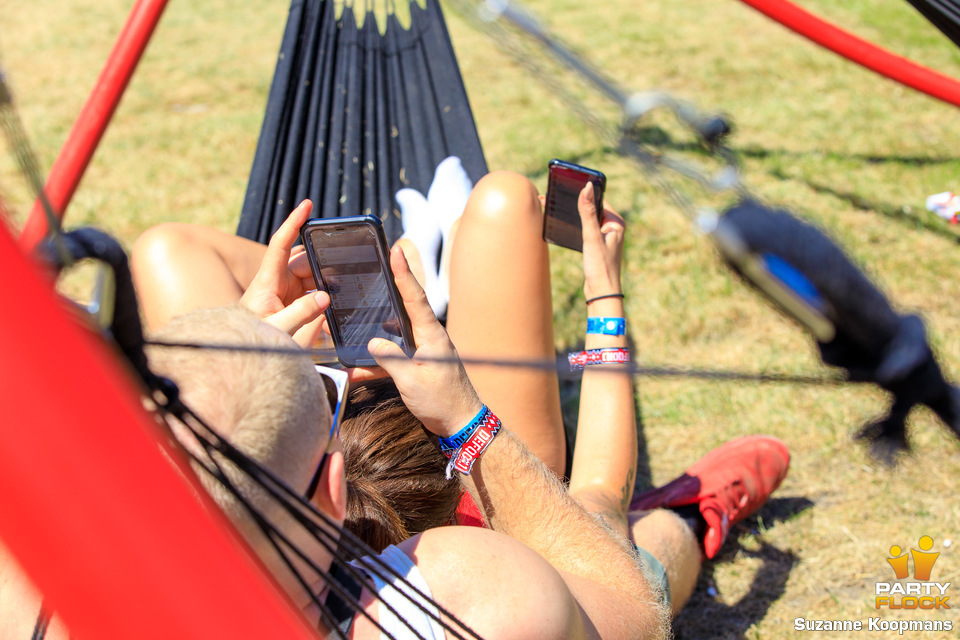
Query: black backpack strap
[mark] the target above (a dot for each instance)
(340, 610)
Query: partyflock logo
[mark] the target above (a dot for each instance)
(921, 593)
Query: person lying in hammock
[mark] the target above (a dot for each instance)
(546, 569)
(494, 251)
(663, 532)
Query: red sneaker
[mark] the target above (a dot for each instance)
(728, 484)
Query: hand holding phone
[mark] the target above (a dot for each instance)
(561, 217)
(433, 384)
(350, 261)
(281, 293)
(602, 248)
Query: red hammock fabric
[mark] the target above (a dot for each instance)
(93, 509)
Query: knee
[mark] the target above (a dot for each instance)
(504, 196)
(663, 525)
(158, 244)
(161, 250)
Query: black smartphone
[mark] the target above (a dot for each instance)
(351, 262)
(561, 218)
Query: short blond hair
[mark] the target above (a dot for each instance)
(270, 406)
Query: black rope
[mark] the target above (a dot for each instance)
(326, 532)
(213, 443)
(43, 621)
(562, 370)
(27, 160)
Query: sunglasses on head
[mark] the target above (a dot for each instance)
(335, 383)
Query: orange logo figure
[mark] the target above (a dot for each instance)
(922, 561)
(899, 564)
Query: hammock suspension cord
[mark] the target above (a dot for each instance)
(220, 457)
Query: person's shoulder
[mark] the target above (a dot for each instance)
(495, 584)
(20, 602)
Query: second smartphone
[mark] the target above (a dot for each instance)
(350, 261)
(561, 217)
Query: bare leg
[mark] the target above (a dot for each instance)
(501, 307)
(180, 267)
(500, 297)
(669, 539)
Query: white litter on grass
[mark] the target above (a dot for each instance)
(946, 205)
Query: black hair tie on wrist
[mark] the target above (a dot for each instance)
(609, 295)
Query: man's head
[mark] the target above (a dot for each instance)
(270, 406)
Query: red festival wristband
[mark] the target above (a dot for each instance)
(462, 458)
(609, 355)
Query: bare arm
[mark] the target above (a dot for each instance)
(605, 455)
(519, 495)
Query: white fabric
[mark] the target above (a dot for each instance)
(399, 596)
(427, 222)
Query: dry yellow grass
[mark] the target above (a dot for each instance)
(835, 143)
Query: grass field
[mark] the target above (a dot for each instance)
(836, 144)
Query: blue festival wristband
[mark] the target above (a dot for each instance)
(454, 442)
(483, 428)
(606, 326)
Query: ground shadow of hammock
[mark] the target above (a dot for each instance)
(917, 161)
(706, 617)
(898, 213)
(662, 140)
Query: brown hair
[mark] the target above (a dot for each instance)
(396, 476)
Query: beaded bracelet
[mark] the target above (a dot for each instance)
(464, 447)
(607, 355)
(606, 326)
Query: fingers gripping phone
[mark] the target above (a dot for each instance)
(350, 261)
(561, 217)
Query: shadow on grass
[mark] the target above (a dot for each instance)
(893, 212)
(662, 141)
(760, 153)
(705, 616)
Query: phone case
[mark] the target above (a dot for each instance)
(561, 218)
(365, 302)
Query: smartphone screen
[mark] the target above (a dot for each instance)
(561, 218)
(350, 261)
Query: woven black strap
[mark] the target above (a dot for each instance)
(340, 610)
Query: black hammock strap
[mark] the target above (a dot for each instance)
(944, 14)
(354, 115)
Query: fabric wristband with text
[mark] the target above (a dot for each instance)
(609, 355)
